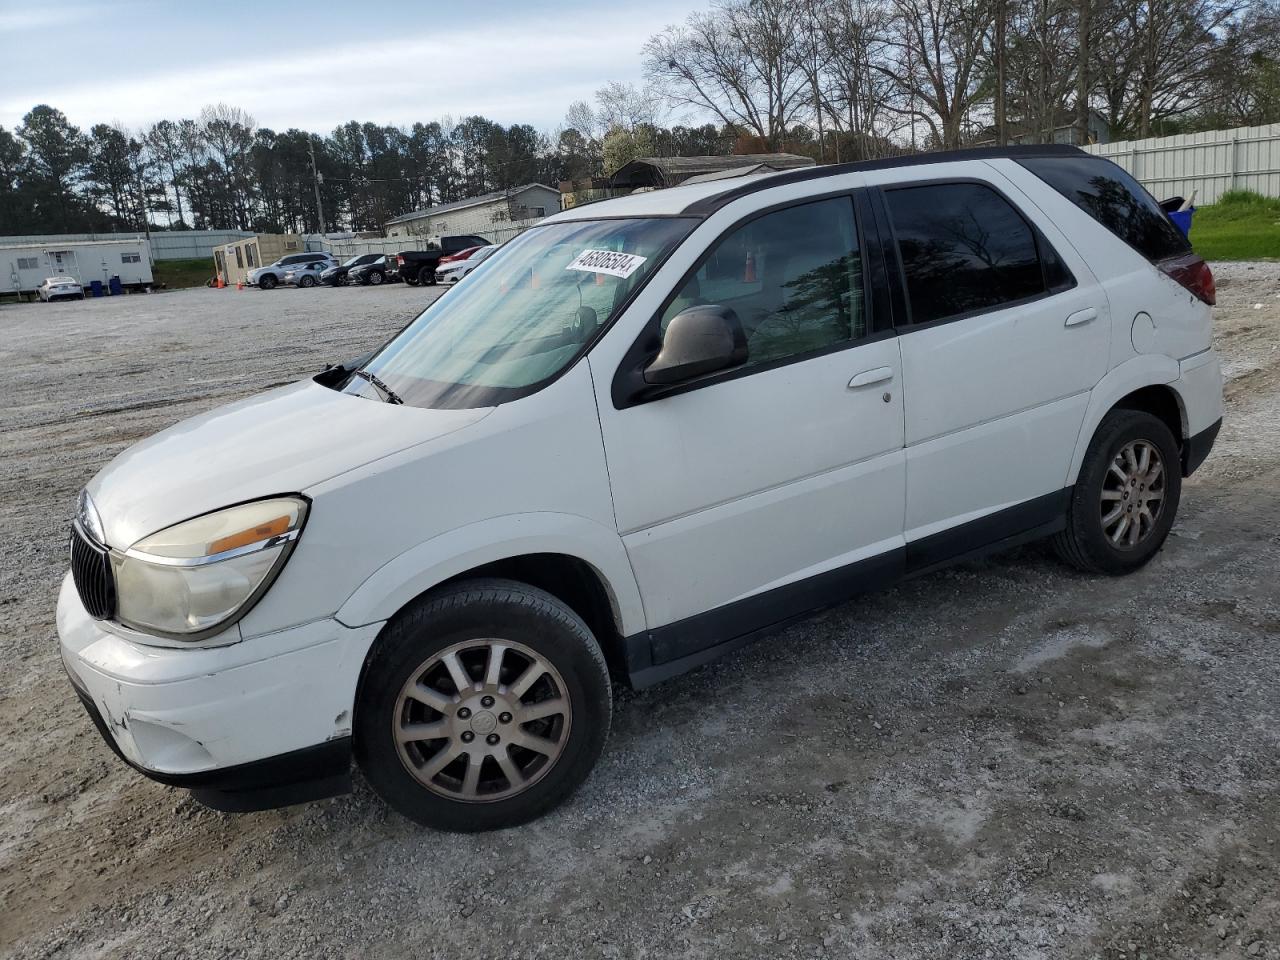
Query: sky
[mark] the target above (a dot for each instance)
(315, 65)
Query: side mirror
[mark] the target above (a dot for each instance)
(698, 340)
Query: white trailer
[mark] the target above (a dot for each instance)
(24, 266)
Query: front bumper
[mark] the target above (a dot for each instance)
(261, 723)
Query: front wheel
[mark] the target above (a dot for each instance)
(307, 282)
(268, 282)
(427, 276)
(483, 706)
(1126, 497)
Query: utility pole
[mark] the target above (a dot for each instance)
(311, 146)
(1002, 137)
(1082, 76)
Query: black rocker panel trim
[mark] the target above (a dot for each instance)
(671, 650)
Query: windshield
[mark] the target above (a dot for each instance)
(358, 258)
(526, 317)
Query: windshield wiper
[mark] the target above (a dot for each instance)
(391, 395)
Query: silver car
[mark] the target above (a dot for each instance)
(272, 275)
(60, 288)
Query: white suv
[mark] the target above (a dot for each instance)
(649, 431)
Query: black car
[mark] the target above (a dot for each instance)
(419, 266)
(337, 276)
(372, 273)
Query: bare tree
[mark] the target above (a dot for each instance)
(739, 61)
(1153, 58)
(938, 52)
(228, 132)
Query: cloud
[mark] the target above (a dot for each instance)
(511, 69)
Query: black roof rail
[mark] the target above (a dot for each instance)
(706, 206)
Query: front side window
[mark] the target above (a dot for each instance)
(964, 250)
(793, 277)
(526, 317)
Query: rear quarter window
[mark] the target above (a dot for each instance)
(1113, 198)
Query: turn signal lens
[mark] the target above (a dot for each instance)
(263, 531)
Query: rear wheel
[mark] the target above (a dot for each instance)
(426, 276)
(1126, 497)
(376, 278)
(484, 706)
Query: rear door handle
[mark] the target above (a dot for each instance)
(1081, 316)
(867, 377)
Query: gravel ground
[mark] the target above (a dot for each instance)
(1007, 759)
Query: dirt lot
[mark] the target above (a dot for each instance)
(1003, 760)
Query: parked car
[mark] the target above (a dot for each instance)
(272, 275)
(373, 273)
(60, 288)
(336, 276)
(451, 270)
(653, 430)
(419, 266)
(306, 274)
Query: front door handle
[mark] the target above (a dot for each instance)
(867, 377)
(1081, 316)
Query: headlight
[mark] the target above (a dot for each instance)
(196, 576)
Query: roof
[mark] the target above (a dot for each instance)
(64, 244)
(469, 202)
(704, 199)
(677, 169)
(753, 170)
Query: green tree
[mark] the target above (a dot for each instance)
(57, 155)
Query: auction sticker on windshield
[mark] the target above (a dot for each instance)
(607, 261)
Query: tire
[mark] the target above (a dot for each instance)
(427, 276)
(306, 281)
(464, 621)
(376, 278)
(1110, 480)
(267, 282)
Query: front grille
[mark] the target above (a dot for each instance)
(91, 571)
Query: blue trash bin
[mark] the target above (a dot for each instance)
(95, 287)
(116, 287)
(1182, 220)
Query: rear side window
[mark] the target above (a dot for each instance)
(1116, 200)
(964, 250)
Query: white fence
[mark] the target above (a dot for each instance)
(391, 246)
(1210, 163)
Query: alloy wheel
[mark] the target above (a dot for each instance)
(482, 720)
(1133, 494)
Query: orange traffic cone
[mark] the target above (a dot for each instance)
(239, 284)
(219, 284)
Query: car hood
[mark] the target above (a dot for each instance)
(282, 441)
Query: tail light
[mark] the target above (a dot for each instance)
(399, 260)
(1194, 274)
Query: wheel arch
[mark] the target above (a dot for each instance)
(1145, 383)
(578, 561)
